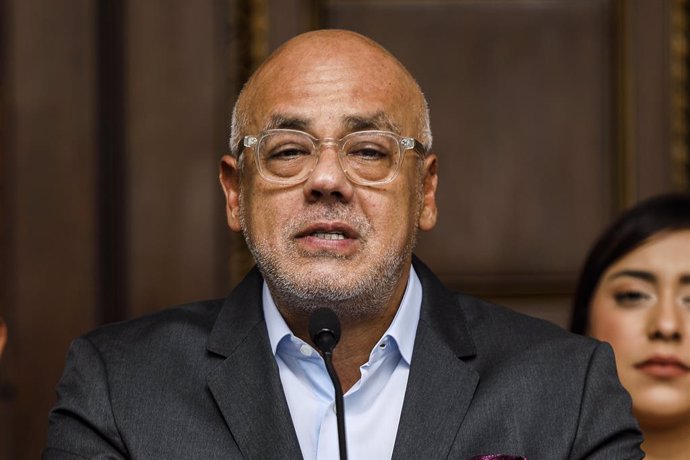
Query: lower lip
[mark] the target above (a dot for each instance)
(659, 370)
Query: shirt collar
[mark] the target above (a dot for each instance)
(402, 329)
(277, 327)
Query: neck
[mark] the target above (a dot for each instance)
(668, 443)
(359, 334)
(357, 340)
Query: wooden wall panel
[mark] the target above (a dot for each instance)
(5, 269)
(51, 224)
(287, 18)
(647, 80)
(177, 119)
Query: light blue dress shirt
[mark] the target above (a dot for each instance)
(372, 406)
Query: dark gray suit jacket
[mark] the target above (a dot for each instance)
(200, 382)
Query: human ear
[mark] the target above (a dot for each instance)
(230, 181)
(429, 212)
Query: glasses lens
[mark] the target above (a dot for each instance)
(286, 155)
(371, 156)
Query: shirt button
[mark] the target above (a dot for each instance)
(305, 350)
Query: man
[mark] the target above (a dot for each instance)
(330, 179)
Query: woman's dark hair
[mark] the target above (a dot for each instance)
(630, 230)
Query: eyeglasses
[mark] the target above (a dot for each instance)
(288, 156)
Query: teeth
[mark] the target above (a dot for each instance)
(329, 235)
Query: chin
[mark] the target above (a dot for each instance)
(659, 419)
(661, 410)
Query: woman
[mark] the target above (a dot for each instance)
(634, 292)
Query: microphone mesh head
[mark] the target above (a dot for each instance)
(324, 320)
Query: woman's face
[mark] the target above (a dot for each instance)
(642, 308)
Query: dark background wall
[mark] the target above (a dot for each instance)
(549, 117)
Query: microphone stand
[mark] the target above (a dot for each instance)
(324, 330)
(339, 409)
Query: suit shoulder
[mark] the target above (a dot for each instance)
(515, 329)
(193, 319)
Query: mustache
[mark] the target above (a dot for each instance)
(329, 212)
(317, 212)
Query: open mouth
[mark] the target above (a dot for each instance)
(329, 235)
(330, 231)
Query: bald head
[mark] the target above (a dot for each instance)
(334, 59)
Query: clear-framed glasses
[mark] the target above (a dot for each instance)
(288, 156)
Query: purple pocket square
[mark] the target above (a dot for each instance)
(497, 457)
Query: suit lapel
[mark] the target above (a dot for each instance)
(246, 385)
(247, 388)
(440, 384)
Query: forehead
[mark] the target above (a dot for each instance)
(332, 86)
(665, 253)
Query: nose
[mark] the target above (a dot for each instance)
(666, 323)
(328, 180)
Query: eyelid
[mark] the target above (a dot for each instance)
(628, 292)
(632, 297)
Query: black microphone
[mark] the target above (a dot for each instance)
(324, 330)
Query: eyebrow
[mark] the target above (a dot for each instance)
(286, 122)
(645, 276)
(378, 121)
(639, 274)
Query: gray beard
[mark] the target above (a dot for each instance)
(365, 297)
